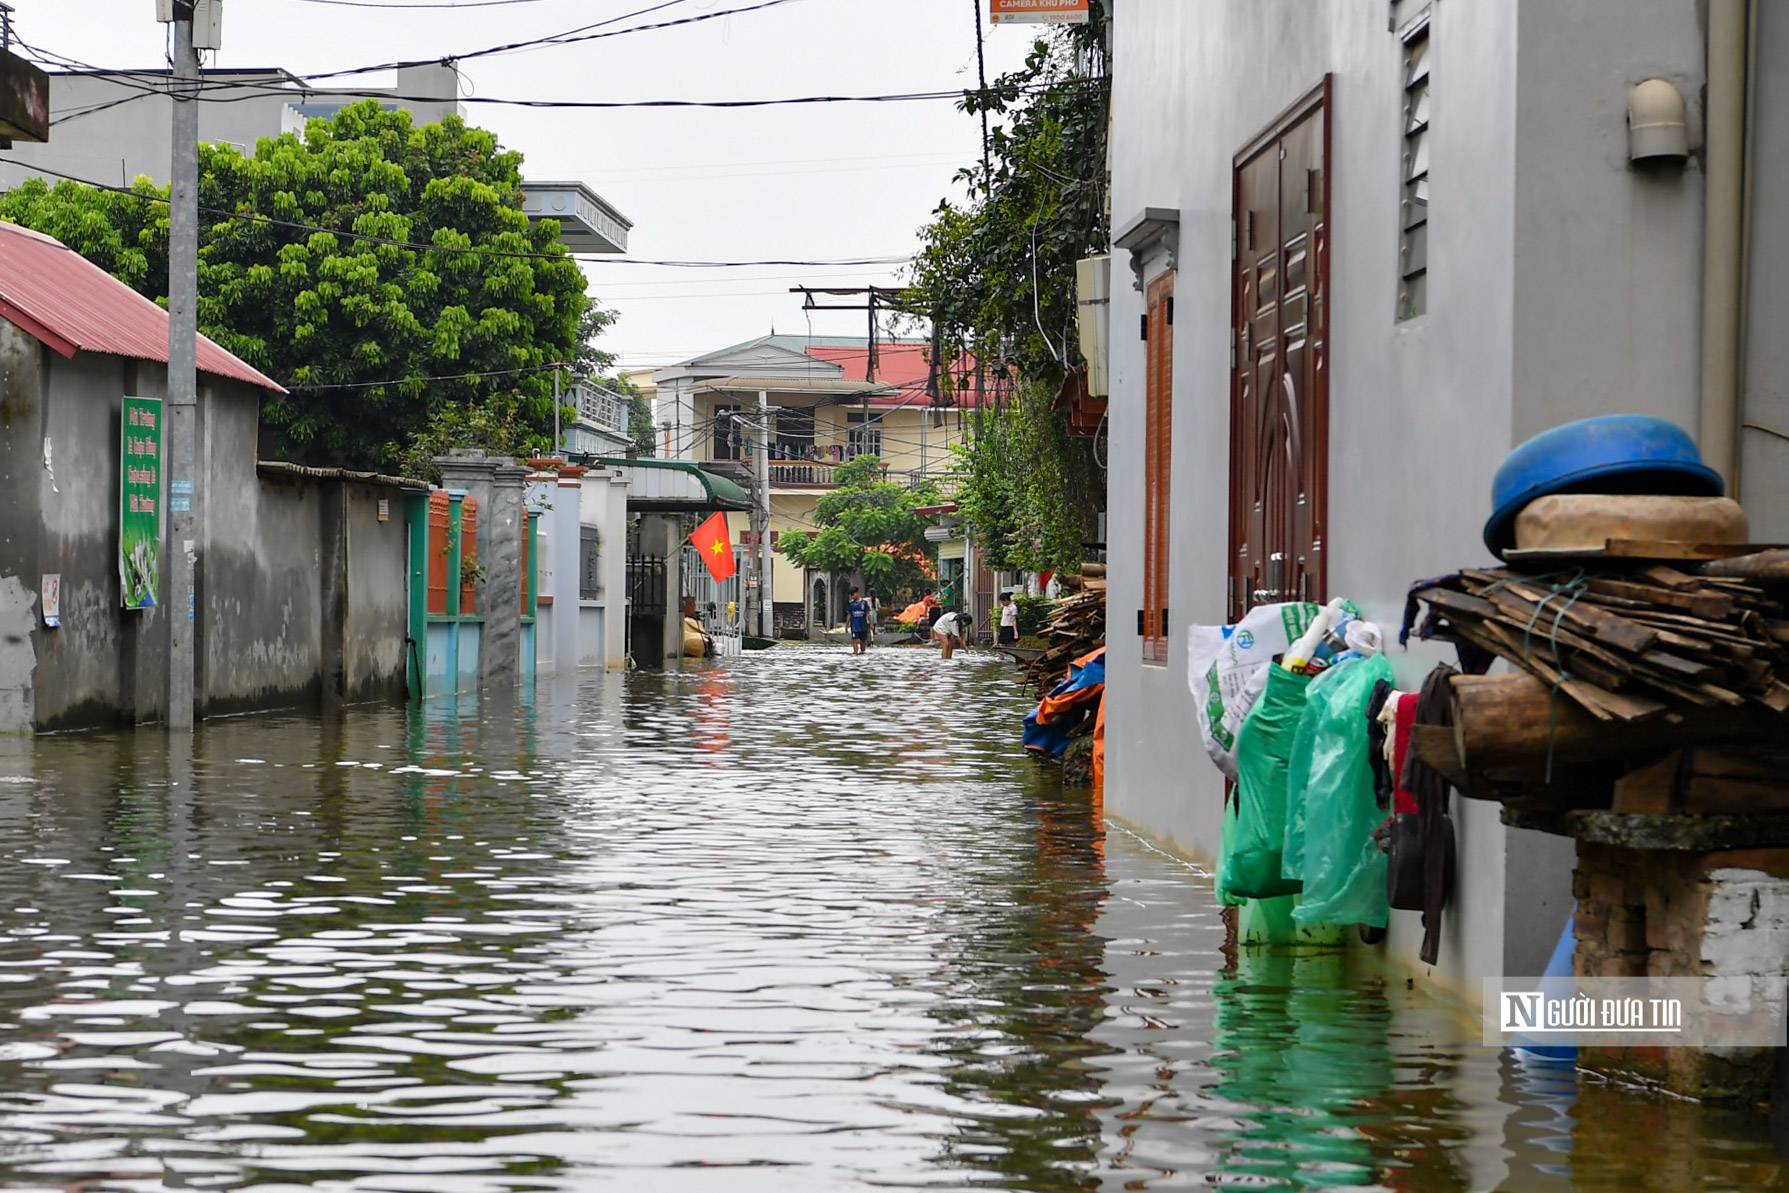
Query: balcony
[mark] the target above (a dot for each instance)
(805, 474)
(601, 408)
(818, 474)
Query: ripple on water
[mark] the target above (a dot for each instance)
(805, 921)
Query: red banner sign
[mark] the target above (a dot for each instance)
(1037, 12)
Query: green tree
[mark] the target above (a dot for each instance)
(382, 345)
(996, 277)
(867, 526)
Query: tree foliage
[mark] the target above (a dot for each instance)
(867, 526)
(996, 277)
(1025, 485)
(376, 341)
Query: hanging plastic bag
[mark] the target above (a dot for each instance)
(1331, 777)
(1227, 669)
(1263, 755)
(1348, 640)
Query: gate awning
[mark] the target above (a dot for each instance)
(676, 486)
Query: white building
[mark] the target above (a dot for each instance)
(1375, 246)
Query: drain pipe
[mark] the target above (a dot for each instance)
(1723, 159)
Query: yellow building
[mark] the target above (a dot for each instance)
(827, 401)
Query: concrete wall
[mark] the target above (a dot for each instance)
(59, 431)
(373, 632)
(1764, 455)
(301, 590)
(1561, 284)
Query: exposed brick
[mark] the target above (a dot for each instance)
(1627, 933)
(1606, 887)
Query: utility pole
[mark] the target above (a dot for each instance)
(761, 511)
(767, 611)
(874, 297)
(180, 413)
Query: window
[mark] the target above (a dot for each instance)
(863, 436)
(725, 429)
(1413, 239)
(1158, 428)
(590, 577)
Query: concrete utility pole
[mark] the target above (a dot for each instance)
(180, 413)
(767, 614)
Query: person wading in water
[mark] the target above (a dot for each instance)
(949, 632)
(857, 611)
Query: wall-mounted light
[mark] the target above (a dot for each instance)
(1656, 128)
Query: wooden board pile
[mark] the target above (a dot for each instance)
(1077, 625)
(1628, 646)
(1646, 686)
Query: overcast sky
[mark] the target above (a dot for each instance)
(811, 182)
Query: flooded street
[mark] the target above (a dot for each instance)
(800, 922)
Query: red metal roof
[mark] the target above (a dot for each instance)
(902, 364)
(72, 305)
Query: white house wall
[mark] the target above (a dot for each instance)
(1764, 458)
(1561, 284)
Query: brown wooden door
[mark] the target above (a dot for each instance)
(1279, 403)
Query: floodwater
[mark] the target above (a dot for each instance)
(800, 921)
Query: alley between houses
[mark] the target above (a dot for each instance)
(800, 921)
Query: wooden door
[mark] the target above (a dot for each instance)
(1279, 400)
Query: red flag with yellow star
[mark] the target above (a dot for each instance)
(712, 540)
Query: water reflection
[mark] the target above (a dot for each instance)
(799, 922)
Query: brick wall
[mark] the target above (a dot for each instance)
(1724, 916)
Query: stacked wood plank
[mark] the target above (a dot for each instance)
(1076, 626)
(1629, 646)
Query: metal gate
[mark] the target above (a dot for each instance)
(646, 609)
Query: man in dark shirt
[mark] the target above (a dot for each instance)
(857, 613)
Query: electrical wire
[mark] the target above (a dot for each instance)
(408, 7)
(474, 250)
(296, 385)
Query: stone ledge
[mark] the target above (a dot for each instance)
(1694, 834)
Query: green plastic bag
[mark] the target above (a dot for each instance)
(1226, 846)
(1331, 781)
(1263, 754)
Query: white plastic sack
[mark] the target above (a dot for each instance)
(1227, 669)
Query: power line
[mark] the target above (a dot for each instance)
(421, 246)
(303, 387)
(405, 7)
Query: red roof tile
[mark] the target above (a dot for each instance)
(72, 305)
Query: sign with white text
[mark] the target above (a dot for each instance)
(140, 502)
(1731, 1011)
(1038, 12)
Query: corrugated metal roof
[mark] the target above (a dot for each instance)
(672, 484)
(72, 305)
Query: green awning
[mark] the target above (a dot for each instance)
(670, 486)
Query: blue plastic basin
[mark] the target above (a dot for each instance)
(1612, 453)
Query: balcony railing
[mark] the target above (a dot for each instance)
(804, 473)
(601, 408)
(819, 474)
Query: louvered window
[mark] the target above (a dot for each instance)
(1413, 240)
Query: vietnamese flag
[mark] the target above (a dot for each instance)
(716, 546)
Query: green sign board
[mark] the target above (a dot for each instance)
(140, 502)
